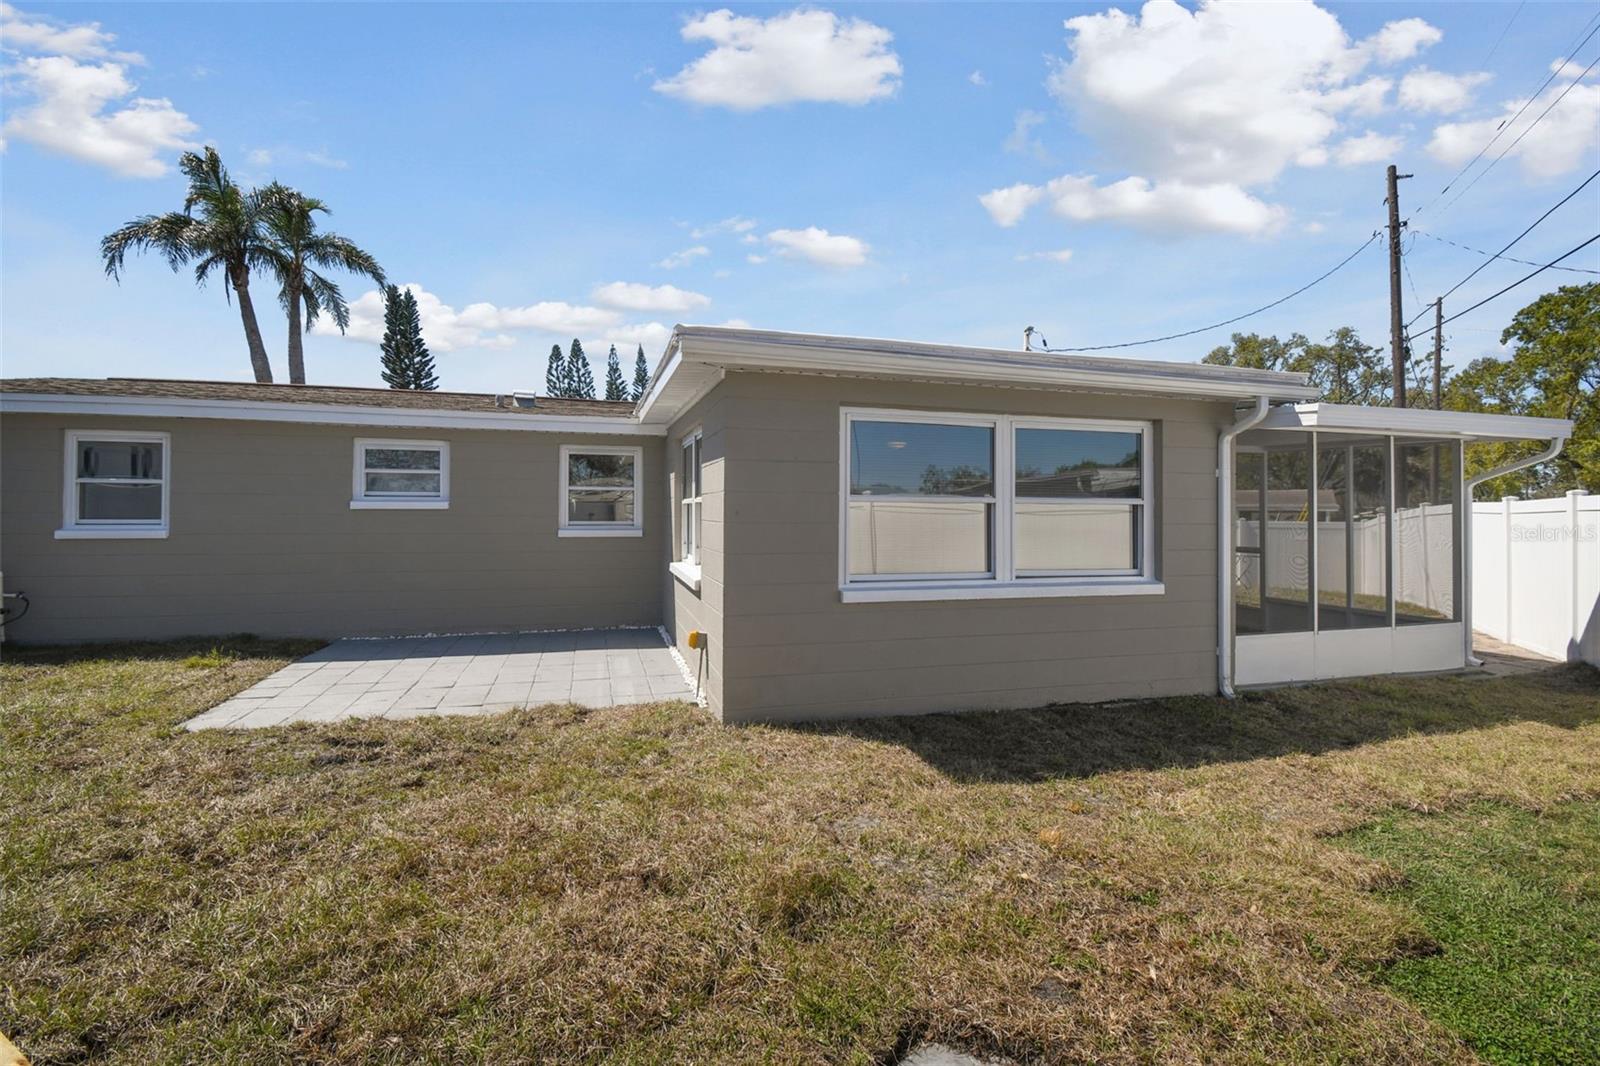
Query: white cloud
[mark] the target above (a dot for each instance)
(977, 78)
(1434, 91)
(1403, 39)
(1021, 140)
(22, 32)
(819, 246)
(800, 55)
(1560, 143)
(74, 111)
(1060, 256)
(1007, 206)
(653, 335)
(1370, 147)
(1168, 207)
(735, 224)
(754, 259)
(684, 258)
(479, 325)
(632, 296)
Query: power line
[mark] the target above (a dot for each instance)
(1559, 203)
(1527, 130)
(1491, 255)
(1225, 322)
(1501, 129)
(1500, 39)
(1514, 284)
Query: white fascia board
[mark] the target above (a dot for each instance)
(316, 414)
(1415, 421)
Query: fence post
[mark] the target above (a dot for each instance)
(1505, 504)
(1574, 651)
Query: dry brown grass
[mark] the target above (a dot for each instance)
(1132, 883)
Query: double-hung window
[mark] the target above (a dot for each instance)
(600, 491)
(959, 506)
(397, 474)
(116, 484)
(689, 538)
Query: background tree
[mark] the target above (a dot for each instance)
(580, 375)
(555, 373)
(1343, 369)
(293, 253)
(1553, 372)
(641, 375)
(616, 388)
(407, 364)
(220, 230)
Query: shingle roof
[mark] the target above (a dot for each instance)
(323, 394)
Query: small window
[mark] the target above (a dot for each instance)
(116, 484)
(689, 542)
(401, 474)
(600, 492)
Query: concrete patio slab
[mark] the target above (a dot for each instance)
(407, 677)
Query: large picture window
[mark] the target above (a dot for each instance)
(961, 506)
(401, 474)
(116, 484)
(600, 492)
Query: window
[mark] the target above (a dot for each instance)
(600, 492)
(960, 506)
(397, 474)
(116, 484)
(689, 541)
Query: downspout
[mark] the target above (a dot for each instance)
(1225, 544)
(1467, 486)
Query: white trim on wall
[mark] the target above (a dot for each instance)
(361, 499)
(75, 527)
(567, 528)
(1003, 581)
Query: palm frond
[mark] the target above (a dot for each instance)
(321, 294)
(170, 234)
(331, 251)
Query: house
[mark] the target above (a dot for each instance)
(855, 526)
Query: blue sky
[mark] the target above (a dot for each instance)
(913, 171)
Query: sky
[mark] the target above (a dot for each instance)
(947, 173)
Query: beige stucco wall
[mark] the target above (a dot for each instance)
(263, 540)
(686, 608)
(795, 651)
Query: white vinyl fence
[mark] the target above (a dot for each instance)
(1536, 574)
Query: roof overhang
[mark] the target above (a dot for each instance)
(697, 356)
(316, 414)
(1414, 422)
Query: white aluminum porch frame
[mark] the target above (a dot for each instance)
(1319, 655)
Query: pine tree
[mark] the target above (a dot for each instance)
(641, 375)
(616, 388)
(406, 361)
(555, 383)
(580, 376)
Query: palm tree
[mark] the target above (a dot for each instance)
(219, 228)
(294, 250)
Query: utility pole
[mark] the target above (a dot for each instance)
(1438, 348)
(1396, 318)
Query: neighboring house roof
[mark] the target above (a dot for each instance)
(697, 356)
(313, 403)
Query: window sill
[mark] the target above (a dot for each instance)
(399, 505)
(600, 531)
(112, 533)
(894, 592)
(687, 574)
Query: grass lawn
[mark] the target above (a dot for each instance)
(1189, 880)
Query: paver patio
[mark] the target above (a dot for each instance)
(406, 677)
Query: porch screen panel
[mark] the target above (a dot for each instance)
(1353, 535)
(1249, 478)
(1427, 532)
(1286, 563)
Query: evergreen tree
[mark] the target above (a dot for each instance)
(616, 388)
(407, 363)
(641, 375)
(555, 382)
(580, 376)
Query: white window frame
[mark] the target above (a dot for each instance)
(361, 500)
(1003, 582)
(74, 527)
(685, 565)
(566, 528)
